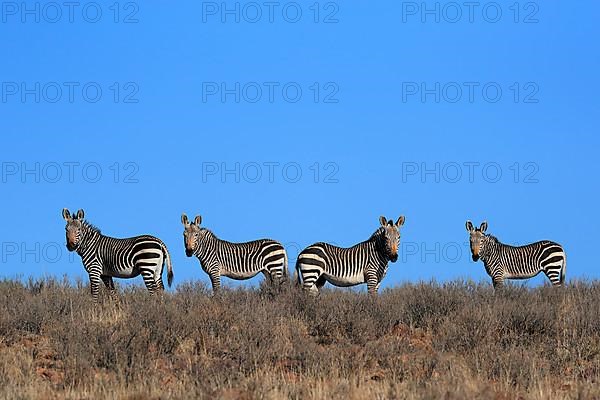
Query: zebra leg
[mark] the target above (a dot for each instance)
(148, 276)
(108, 282)
(313, 287)
(320, 282)
(498, 283)
(95, 285)
(276, 276)
(110, 285)
(268, 276)
(215, 280)
(554, 275)
(158, 277)
(372, 284)
(312, 278)
(159, 284)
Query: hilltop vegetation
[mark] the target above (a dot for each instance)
(452, 341)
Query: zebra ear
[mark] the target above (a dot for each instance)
(469, 226)
(80, 214)
(483, 226)
(66, 214)
(198, 220)
(184, 219)
(400, 221)
(383, 220)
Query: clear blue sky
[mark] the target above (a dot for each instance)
(362, 121)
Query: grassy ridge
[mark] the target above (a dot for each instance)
(451, 341)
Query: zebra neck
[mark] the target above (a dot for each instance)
(379, 246)
(89, 237)
(207, 243)
(491, 249)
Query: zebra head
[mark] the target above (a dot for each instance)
(191, 234)
(73, 228)
(477, 239)
(391, 236)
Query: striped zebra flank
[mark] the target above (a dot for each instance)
(365, 262)
(503, 261)
(105, 257)
(237, 261)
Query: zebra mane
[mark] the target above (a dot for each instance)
(208, 232)
(377, 233)
(492, 241)
(91, 226)
(492, 238)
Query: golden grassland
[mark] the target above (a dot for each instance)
(458, 340)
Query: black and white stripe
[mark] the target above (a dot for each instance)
(366, 262)
(234, 260)
(503, 261)
(106, 257)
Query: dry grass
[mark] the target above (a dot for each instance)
(452, 341)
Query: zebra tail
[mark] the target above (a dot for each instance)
(297, 274)
(286, 272)
(169, 265)
(563, 271)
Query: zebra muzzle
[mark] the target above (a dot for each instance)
(71, 247)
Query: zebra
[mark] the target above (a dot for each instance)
(106, 257)
(509, 262)
(237, 261)
(366, 262)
